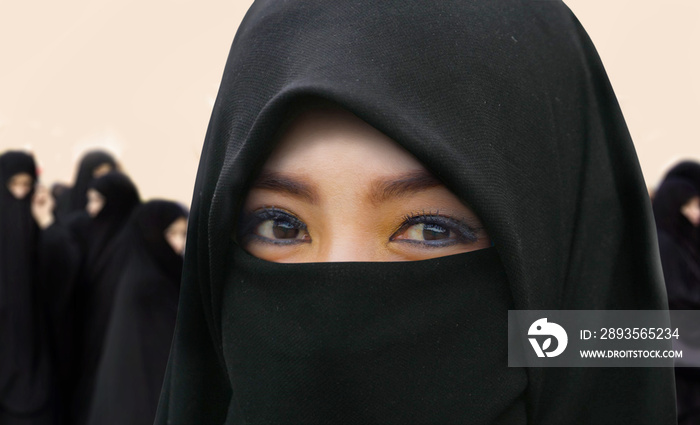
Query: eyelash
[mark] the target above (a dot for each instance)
(250, 221)
(465, 233)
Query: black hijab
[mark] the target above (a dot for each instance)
(141, 327)
(75, 198)
(508, 103)
(24, 361)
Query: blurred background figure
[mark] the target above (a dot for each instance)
(110, 201)
(25, 368)
(94, 164)
(140, 331)
(676, 207)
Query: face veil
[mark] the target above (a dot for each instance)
(509, 105)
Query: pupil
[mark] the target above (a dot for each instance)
(433, 232)
(284, 230)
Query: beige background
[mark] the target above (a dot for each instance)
(140, 77)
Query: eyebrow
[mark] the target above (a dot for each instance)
(381, 190)
(279, 182)
(402, 185)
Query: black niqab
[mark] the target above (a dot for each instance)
(141, 327)
(505, 101)
(24, 362)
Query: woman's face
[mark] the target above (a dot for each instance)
(101, 170)
(176, 235)
(20, 185)
(95, 202)
(337, 189)
(691, 211)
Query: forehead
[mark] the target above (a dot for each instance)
(329, 138)
(21, 177)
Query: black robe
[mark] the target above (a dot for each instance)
(141, 326)
(60, 258)
(25, 367)
(508, 104)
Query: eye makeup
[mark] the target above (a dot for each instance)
(434, 230)
(276, 226)
(273, 225)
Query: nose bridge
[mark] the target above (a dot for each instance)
(347, 234)
(348, 249)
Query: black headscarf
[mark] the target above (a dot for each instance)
(508, 103)
(140, 331)
(24, 361)
(688, 170)
(75, 198)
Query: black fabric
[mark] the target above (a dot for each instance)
(689, 171)
(328, 343)
(99, 277)
(508, 103)
(59, 267)
(680, 259)
(140, 331)
(150, 223)
(121, 197)
(678, 244)
(25, 374)
(75, 198)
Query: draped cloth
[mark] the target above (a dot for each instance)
(140, 330)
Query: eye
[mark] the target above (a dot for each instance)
(434, 230)
(273, 225)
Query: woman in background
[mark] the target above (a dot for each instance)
(25, 368)
(140, 330)
(677, 213)
(110, 201)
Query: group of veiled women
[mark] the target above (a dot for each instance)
(676, 203)
(89, 284)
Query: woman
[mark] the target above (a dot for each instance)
(111, 200)
(140, 330)
(25, 374)
(508, 106)
(677, 213)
